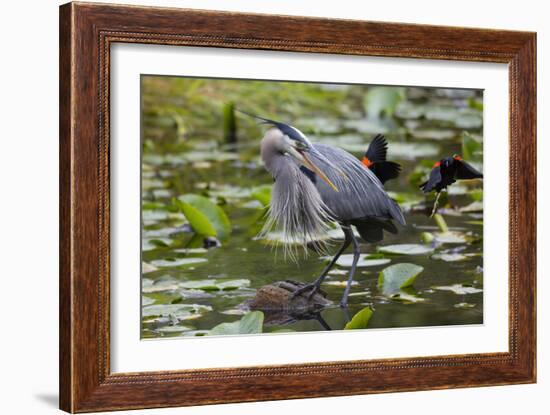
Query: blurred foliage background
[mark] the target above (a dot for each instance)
(203, 187)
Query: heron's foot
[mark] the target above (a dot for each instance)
(344, 303)
(312, 288)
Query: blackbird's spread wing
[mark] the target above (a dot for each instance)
(376, 160)
(465, 171)
(433, 181)
(378, 149)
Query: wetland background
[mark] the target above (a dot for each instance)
(205, 191)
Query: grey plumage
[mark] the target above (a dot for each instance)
(317, 185)
(360, 192)
(297, 210)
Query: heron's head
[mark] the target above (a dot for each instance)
(289, 141)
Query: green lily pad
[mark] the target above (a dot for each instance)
(154, 216)
(412, 151)
(452, 257)
(340, 283)
(336, 271)
(457, 190)
(262, 194)
(360, 320)
(155, 243)
(406, 249)
(196, 156)
(409, 111)
(177, 262)
(469, 121)
(162, 193)
(441, 113)
(464, 305)
(365, 260)
(229, 192)
(174, 329)
(160, 285)
(398, 276)
(250, 323)
(205, 217)
(147, 300)
(407, 298)
(178, 311)
(404, 198)
(216, 285)
(147, 184)
(146, 268)
(476, 206)
(365, 126)
(459, 289)
(433, 134)
(450, 237)
(191, 250)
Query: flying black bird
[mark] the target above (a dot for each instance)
(317, 185)
(375, 159)
(446, 172)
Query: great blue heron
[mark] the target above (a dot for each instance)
(319, 184)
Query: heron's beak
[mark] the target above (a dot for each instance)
(302, 157)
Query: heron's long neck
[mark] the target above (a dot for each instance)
(296, 206)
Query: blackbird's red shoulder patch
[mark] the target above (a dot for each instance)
(367, 162)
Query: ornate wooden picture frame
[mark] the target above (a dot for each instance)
(87, 32)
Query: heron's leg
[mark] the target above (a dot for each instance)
(356, 253)
(322, 321)
(345, 311)
(315, 285)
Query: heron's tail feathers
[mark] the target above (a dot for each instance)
(386, 170)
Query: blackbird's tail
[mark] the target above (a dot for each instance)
(386, 170)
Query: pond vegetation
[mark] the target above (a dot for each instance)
(205, 192)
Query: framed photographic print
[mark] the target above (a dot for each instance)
(260, 207)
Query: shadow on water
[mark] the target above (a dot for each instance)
(282, 307)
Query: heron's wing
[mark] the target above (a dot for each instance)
(466, 171)
(435, 178)
(360, 193)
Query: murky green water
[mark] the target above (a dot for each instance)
(184, 151)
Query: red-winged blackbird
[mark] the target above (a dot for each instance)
(375, 160)
(447, 171)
